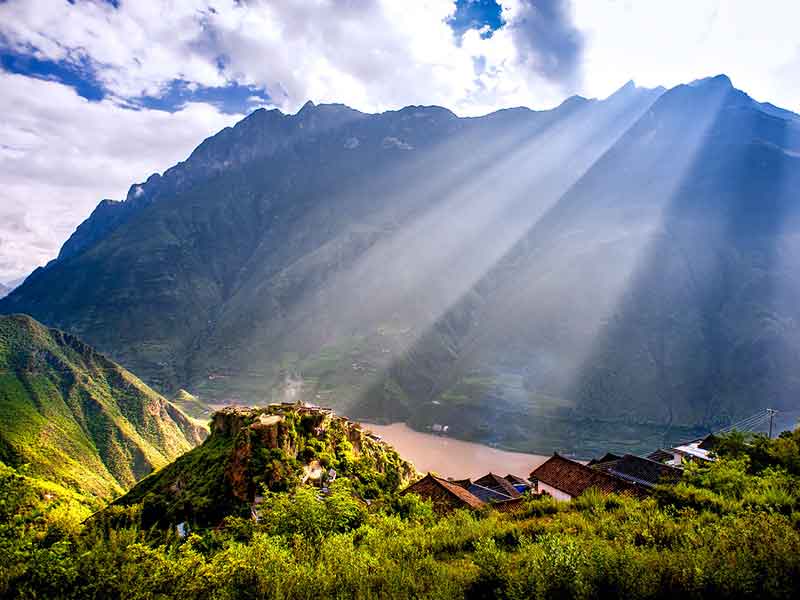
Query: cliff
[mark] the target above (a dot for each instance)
(275, 448)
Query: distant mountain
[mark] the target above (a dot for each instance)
(617, 269)
(78, 418)
(192, 405)
(9, 286)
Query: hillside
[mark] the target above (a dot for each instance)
(618, 269)
(79, 419)
(727, 530)
(274, 448)
(192, 405)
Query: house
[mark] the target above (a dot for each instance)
(699, 449)
(519, 483)
(446, 496)
(486, 494)
(507, 506)
(640, 471)
(565, 479)
(607, 457)
(498, 484)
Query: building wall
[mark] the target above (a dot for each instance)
(555, 493)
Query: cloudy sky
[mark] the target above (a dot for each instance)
(98, 94)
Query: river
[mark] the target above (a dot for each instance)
(449, 457)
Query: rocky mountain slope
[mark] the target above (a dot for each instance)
(79, 419)
(274, 448)
(532, 279)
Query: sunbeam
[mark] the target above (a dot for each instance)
(450, 241)
(565, 254)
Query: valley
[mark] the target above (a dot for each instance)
(536, 279)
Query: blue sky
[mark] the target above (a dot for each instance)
(99, 94)
(484, 16)
(232, 98)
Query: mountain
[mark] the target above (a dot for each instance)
(276, 448)
(9, 286)
(192, 405)
(78, 418)
(617, 269)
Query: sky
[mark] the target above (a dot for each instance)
(98, 94)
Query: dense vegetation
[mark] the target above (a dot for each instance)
(79, 419)
(534, 279)
(274, 449)
(730, 529)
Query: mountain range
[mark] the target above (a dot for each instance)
(618, 268)
(77, 418)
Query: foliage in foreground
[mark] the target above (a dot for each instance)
(729, 530)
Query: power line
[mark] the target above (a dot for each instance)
(747, 422)
(772, 412)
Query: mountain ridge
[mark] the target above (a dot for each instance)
(414, 265)
(76, 417)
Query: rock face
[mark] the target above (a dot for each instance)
(78, 418)
(273, 448)
(536, 280)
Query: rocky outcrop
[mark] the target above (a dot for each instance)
(274, 447)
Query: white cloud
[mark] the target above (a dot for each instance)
(667, 43)
(61, 154)
(371, 54)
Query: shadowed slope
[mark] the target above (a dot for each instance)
(704, 173)
(414, 265)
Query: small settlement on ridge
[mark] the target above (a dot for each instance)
(564, 479)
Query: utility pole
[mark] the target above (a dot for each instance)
(771, 412)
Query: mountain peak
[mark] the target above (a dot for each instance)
(720, 80)
(307, 107)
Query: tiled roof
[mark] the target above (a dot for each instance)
(509, 505)
(455, 491)
(660, 456)
(640, 470)
(607, 457)
(465, 483)
(498, 483)
(574, 478)
(514, 480)
(487, 494)
(458, 491)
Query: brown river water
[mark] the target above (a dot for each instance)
(449, 457)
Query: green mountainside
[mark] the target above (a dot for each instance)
(728, 530)
(79, 419)
(192, 405)
(618, 270)
(275, 448)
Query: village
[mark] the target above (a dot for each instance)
(563, 479)
(559, 477)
